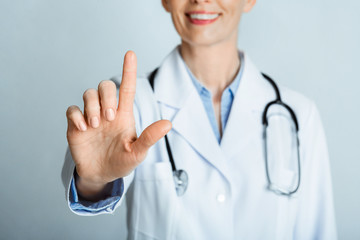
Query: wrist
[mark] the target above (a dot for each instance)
(90, 190)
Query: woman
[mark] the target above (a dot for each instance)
(211, 98)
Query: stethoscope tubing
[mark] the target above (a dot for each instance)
(181, 177)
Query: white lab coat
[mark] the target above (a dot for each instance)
(227, 196)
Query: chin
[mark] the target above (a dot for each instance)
(208, 38)
(202, 41)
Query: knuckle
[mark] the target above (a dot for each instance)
(149, 140)
(127, 89)
(129, 74)
(89, 92)
(92, 109)
(130, 70)
(71, 110)
(106, 84)
(108, 102)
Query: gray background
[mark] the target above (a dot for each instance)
(51, 51)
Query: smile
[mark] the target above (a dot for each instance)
(202, 18)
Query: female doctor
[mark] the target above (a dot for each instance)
(220, 173)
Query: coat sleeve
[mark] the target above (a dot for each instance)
(104, 206)
(315, 217)
(108, 205)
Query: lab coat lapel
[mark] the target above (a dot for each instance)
(244, 123)
(174, 90)
(193, 124)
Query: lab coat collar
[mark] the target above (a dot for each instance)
(174, 89)
(172, 84)
(245, 119)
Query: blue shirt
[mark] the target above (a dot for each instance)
(227, 98)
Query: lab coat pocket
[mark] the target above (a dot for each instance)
(154, 171)
(155, 201)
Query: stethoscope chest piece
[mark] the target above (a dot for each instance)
(181, 181)
(180, 176)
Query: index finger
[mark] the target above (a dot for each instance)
(128, 83)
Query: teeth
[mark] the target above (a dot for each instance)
(204, 16)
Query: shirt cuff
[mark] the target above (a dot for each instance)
(106, 205)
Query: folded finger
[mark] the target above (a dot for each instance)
(92, 107)
(107, 92)
(75, 119)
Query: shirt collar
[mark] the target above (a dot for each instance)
(232, 87)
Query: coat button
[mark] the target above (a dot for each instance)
(221, 198)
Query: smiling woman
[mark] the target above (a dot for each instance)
(202, 17)
(212, 176)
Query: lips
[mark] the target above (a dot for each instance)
(202, 17)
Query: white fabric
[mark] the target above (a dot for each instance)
(227, 196)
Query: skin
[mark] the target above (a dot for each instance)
(103, 140)
(210, 54)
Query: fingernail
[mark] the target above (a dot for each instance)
(94, 122)
(82, 126)
(110, 114)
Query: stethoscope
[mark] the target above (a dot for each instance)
(180, 176)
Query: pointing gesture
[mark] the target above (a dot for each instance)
(103, 140)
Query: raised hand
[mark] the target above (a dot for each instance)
(103, 140)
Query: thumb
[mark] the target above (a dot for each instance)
(150, 136)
